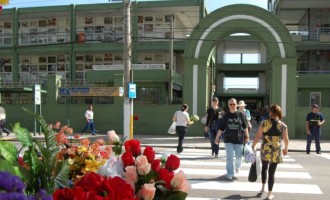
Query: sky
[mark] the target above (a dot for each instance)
(210, 4)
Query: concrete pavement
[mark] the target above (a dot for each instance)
(170, 141)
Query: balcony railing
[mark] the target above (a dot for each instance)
(321, 34)
(313, 72)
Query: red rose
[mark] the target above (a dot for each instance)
(118, 188)
(149, 153)
(127, 159)
(63, 194)
(93, 195)
(134, 147)
(79, 192)
(155, 166)
(166, 176)
(91, 182)
(172, 163)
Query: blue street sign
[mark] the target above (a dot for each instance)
(132, 90)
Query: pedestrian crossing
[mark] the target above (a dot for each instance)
(207, 176)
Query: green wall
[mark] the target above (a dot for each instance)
(153, 119)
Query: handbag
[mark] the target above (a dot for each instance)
(172, 129)
(253, 172)
(204, 119)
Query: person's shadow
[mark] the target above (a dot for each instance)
(238, 196)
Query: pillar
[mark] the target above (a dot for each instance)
(53, 85)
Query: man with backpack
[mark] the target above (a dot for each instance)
(314, 121)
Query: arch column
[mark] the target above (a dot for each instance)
(284, 88)
(196, 77)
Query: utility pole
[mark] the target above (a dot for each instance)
(128, 103)
(171, 66)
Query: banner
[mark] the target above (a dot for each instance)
(92, 91)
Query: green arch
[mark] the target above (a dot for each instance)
(240, 25)
(261, 24)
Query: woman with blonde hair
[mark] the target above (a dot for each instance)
(271, 130)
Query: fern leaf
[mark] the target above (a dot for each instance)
(62, 179)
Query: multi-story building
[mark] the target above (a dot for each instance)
(282, 54)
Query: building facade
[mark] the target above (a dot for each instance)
(59, 47)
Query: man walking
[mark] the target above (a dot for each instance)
(314, 121)
(89, 115)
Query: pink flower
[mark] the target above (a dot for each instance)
(147, 191)
(113, 137)
(143, 165)
(61, 139)
(85, 142)
(131, 174)
(180, 183)
(100, 141)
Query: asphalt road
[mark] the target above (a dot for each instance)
(300, 176)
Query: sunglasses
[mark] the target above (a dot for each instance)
(232, 104)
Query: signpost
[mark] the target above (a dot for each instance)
(37, 105)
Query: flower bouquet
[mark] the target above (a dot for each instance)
(194, 118)
(131, 175)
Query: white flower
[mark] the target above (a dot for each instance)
(112, 168)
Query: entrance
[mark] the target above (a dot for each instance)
(278, 65)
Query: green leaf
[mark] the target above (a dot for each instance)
(5, 165)
(8, 151)
(23, 135)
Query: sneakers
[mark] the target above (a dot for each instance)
(237, 170)
(216, 155)
(318, 153)
(212, 154)
(229, 178)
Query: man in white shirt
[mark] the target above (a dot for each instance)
(89, 115)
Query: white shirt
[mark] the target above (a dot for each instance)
(181, 118)
(89, 114)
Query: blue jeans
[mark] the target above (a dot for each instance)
(315, 133)
(231, 150)
(90, 124)
(214, 147)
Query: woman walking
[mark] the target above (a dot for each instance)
(213, 114)
(181, 118)
(232, 125)
(271, 130)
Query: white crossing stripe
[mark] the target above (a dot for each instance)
(243, 173)
(255, 187)
(327, 156)
(222, 164)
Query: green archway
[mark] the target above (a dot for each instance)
(259, 23)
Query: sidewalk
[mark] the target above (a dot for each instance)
(170, 141)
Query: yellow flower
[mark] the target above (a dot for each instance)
(82, 149)
(4, 2)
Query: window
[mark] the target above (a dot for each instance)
(241, 58)
(241, 83)
(315, 98)
(148, 95)
(38, 67)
